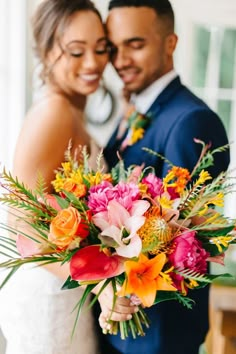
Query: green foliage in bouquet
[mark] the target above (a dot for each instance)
(150, 239)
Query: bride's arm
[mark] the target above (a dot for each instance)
(40, 150)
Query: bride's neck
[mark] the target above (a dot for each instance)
(77, 100)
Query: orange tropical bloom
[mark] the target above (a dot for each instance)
(145, 277)
(177, 178)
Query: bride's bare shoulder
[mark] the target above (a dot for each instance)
(50, 107)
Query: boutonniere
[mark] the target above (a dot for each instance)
(136, 123)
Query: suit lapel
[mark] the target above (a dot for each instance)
(165, 96)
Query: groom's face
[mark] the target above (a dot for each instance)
(142, 47)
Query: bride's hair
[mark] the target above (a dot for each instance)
(49, 22)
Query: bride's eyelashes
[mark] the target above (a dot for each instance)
(78, 54)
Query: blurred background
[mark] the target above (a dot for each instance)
(205, 59)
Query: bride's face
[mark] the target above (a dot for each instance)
(79, 57)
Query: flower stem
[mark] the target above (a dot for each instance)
(133, 327)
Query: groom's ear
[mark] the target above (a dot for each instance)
(170, 43)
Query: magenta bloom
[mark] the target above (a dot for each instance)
(99, 197)
(188, 253)
(172, 193)
(126, 193)
(102, 194)
(155, 185)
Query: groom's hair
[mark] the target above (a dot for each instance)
(163, 8)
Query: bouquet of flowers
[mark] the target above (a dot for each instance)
(152, 239)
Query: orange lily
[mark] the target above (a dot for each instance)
(144, 278)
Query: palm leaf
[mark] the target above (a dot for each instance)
(8, 277)
(80, 304)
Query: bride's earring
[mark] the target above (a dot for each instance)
(100, 105)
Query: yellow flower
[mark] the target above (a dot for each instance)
(77, 176)
(137, 134)
(58, 183)
(67, 168)
(94, 179)
(222, 241)
(217, 200)
(165, 202)
(203, 177)
(143, 188)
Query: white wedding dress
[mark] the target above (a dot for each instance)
(36, 316)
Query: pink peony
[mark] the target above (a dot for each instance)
(188, 253)
(126, 194)
(99, 197)
(102, 194)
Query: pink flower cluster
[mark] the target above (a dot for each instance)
(187, 253)
(101, 194)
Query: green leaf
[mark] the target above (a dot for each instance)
(63, 203)
(221, 231)
(70, 284)
(10, 274)
(173, 295)
(81, 303)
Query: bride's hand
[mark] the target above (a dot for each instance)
(122, 310)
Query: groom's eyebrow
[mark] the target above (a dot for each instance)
(134, 39)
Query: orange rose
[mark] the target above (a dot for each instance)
(79, 190)
(66, 226)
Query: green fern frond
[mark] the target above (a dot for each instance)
(13, 186)
(40, 188)
(193, 275)
(152, 152)
(185, 301)
(18, 197)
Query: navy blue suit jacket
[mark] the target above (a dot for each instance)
(178, 116)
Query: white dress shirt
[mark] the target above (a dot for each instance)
(145, 99)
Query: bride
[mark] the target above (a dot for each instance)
(35, 315)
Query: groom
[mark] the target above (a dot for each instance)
(143, 43)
